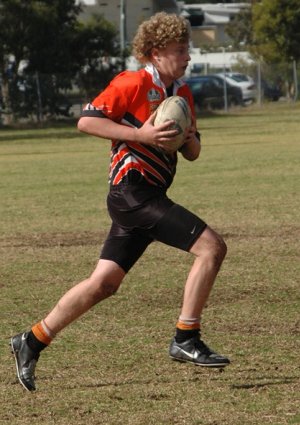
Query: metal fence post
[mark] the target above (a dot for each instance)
(295, 80)
(225, 83)
(39, 97)
(259, 93)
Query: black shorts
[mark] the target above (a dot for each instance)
(141, 215)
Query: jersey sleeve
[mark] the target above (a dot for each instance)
(114, 100)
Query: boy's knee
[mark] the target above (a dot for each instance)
(222, 249)
(103, 289)
(212, 248)
(108, 288)
(216, 251)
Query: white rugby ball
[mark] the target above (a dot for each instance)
(177, 109)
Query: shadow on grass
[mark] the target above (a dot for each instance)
(283, 381)
(276, 381)
(128, 383)
(53, 239)
(72, 134)
(214, 374)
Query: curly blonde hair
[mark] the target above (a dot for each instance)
(158, 31)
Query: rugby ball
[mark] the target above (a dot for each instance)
(177, 109)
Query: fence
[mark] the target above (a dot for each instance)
(37, 97)
(272, 81)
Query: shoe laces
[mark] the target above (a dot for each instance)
(202, 347)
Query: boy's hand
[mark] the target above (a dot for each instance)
(155, 136)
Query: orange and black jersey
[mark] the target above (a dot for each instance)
(130, 99)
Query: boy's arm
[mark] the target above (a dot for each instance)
(105, 128)
(108, 129)
(192, 146)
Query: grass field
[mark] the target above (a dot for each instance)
(112, 366)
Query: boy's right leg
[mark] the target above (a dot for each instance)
(104, 282)
(26, 347)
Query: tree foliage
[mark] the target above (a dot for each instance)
(276, 26)
(97, 51)
(43, 48)
(270, 29)
(240, 29)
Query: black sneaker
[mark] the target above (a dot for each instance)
(195, 351)
(26, 360)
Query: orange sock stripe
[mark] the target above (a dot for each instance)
(40, 334)
(185, 327)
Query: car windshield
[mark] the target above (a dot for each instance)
(238, 78)
(195, 85)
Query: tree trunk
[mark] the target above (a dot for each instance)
(7, 113)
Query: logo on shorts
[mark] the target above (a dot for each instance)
(193, 230)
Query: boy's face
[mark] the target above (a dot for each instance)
(172, 61)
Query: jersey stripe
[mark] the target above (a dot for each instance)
(123, 159)
(129, 99)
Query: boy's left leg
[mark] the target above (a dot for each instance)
(182, 229)
(210, 251)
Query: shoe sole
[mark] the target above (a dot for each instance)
(213, 365)
(14, 352)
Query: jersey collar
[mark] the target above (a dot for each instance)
(150, 68)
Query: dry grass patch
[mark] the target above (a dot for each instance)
(111, 367)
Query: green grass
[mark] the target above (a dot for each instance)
(112, 366)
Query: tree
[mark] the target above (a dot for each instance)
(35, 36)
(240, 29)
(276, 26)
(97, 53)
(43, 46)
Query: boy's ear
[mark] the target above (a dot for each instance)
(155, 54)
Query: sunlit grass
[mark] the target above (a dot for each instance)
(112, 366)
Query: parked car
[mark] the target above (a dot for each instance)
(245, 83)
(208, 92)
(270, 91)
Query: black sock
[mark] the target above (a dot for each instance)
(36, 345)
(184, 335)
